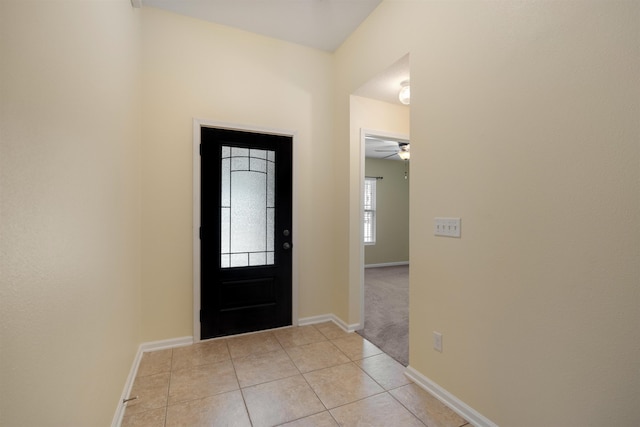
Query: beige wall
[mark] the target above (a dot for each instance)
(70, 197)
(523, 123)
(194, 69)
(392, 213)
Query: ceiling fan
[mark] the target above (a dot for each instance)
(403, 150)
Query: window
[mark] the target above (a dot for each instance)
(247, 207)
(370, 211)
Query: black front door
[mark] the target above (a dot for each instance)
(245, 238)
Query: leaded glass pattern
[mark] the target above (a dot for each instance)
(247, 204)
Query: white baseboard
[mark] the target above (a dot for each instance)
(164, 344)
(329, 318)
(133, 372)
(456, 405)
(349, 328)
(304, 321)
(387, 264)
(117, 418)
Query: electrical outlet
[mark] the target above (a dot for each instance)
(437, 341)
(449, 227)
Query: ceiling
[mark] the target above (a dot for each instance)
(321, 24)
(382, 147)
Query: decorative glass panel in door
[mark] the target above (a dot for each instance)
(247, 207)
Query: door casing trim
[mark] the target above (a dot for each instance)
(197, 125)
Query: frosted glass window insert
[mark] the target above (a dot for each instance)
(247, 207)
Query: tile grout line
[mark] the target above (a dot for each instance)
(351, 361)
(166, 408)
(384, 391)
(358, 400)
(464, 424)
(235, 372)
(307, 382)
(388, 391)
(262, 354)
(199, 398)
(409, 410)
(374, 380)
(312, 389)
(374, 395)
(405, 406)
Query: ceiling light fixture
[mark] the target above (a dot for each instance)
(404, 150)
(405, 93)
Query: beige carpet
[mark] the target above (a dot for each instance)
(386, 310)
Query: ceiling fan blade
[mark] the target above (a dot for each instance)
(390, 155)
(386, 141)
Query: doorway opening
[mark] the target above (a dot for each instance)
(385, 258)
(380, 113)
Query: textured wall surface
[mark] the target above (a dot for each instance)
(524, 122)
(70, 210)
(195, 69)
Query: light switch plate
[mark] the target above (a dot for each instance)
(437, 341)
(449, 227)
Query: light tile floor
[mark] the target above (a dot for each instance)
(316, 375)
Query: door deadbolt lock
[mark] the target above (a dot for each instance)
(285, 233)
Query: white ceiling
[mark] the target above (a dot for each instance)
(322, 24)
(382, 148)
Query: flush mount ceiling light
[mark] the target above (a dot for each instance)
(405, 93)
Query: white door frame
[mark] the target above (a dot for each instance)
(197, 125)
(364, 132)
